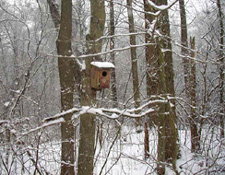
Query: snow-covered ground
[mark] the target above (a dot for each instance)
(120, 154)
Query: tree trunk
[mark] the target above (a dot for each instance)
(184, 50)
(151, 59)
(54, 10)
(67, 82)
(146, 141)
(195, 135)
(133, 59)
(221, 68)
(162, 151)
(112, 55)
(171, 127)
(160, 64)
(189, 82)
(151, 64)
(88, 95)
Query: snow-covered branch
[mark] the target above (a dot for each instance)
(3, 122)
(44, 125)
(102, 53)
(120, 35)
(110, 113)
(161, 7)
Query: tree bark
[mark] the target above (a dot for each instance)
(189, 79)
(146, 141)
(134, 63)
(221, 68)
(162, 117)
(171, 127)
(88, 95)
(54, 10)
(67, 82)
(195, 135)
(67, 68)
(112, 55)
(184, 50)
(160, 64)
(151, 64)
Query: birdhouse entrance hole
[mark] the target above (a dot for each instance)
(104, 73)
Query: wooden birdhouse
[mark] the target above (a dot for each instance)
(100, 74)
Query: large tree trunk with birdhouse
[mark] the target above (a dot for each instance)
(88, 94)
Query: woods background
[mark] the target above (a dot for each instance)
(164, 112)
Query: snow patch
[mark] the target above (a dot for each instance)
(160, 7)
(102, 64)
(114, 116)
(6, 104)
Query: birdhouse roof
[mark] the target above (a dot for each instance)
(106, 65)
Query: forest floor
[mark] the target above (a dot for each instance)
(123, 156)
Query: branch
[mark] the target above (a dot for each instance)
(115, 113)
(44, 125)
(111, 113)
(102, 53)
(54, 11)
(161, 7)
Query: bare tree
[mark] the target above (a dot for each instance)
(161, 66)
(151, 62)
(134, 61)
(112, 55)
(195, 132)
(221, 68)
(67, 83)
(189, 79)
(88, 95)
(184, 48)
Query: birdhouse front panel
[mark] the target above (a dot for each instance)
(105, 79)
(95, 83)
(100, 75)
